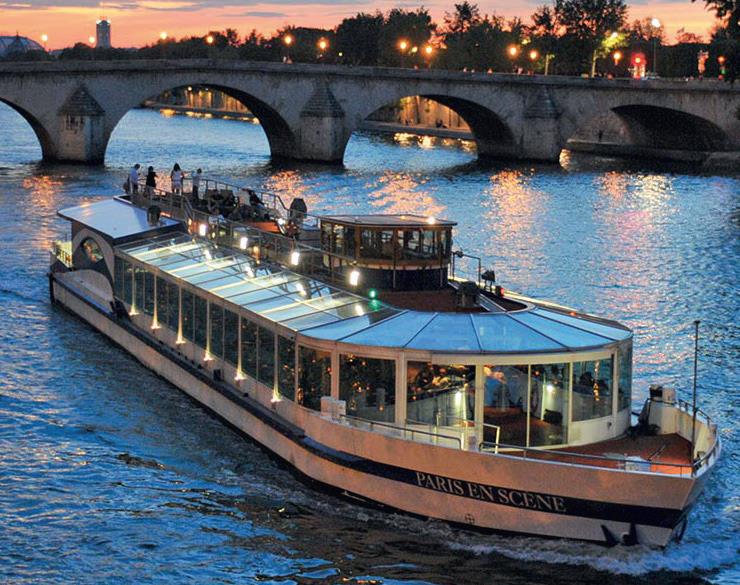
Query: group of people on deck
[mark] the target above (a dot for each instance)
(177, 175)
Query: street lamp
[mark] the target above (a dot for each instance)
(323, 45)
(91, 40)
(163, 35)
(287, 41)
(534, 55)
(513, 51)
(44, 39)
(617, 56)
(209, 39)
(403, 45)
(655, 23)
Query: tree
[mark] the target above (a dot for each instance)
(459, 22)
(481, 47)
(415, 27)
(545, 29)
(684, 37)
(727, 11)
(644, 31)
(591, 21)
(358, 37)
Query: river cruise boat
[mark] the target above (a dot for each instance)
(350, 347)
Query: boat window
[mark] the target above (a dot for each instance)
(148, 293)
(266, 364)
(548, 403)
(200, 321)
(376, 243)
(163, 289)
(128, 283)
(216, 339)
(173, 309)
(625, 376)
(139, 287)
(119, 268)
(187, 314)
(249, 348)
(368, 386)
(231, 337)
(92, 250)
(440, 395)
(314, 377)
(592, 389)
(505, 405)
(286, 367)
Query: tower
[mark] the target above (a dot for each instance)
(102, 32)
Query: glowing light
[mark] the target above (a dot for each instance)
(372, 293)
(239, 376)
(655, 22)
(288, 40)
(163, 35)
(210, 39)
(354, 278)
(280, 221)
(208, 255)
(359, 310)
(323, 44)
(207, 357)
(533, 55)
(614, 35)
(431, 220)
(414, 49)
(91, 40)
(513, 51)
(301, 289)
(243, 242)
(202, 229)
(617, 57)
(429, 49)
(295, 257)
(248, 270)
(403, 45)
(550, 388)
(44, 38)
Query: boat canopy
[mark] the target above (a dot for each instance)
(317, 310)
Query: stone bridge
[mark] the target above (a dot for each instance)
(309, 112)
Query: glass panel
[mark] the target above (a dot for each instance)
(314, 377)
(201, 322)
(440, 395)
(409, 244)
(505, 404)
(368, 386)
(286, 367)
(592, 389)
(187, 314)
(266, 372)
(625, 376)
(119, 269)
(128, 282)
(148, 293)
(308, 321)
(162, 304)
(173, 308)
(395, 333)
(140, 287)
(548, 404)
(567, 336)
(447, 332)
(249, 347)
(231, 337)
(341, 329)
(376, 243)
(587, 324)
(499, 333)
(216, 314)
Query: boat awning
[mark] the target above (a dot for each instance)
(115, 219)
(321, 311)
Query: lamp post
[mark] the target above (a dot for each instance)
(91, 40)
(209, 39)
(322, 45)
(513, 52)
(287, 41)
(617, 56)
(655, 23)
(44, 39)
(428, 51)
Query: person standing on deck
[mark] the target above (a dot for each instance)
(196, 185)
(151, 181)
(176, 177)
(133, 179)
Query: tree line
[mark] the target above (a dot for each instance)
(567, 37)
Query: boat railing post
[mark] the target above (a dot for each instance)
(693, 406)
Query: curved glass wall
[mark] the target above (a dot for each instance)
(368, 386)
(286, 367)
(314, 377)
(440, 395)
(624, 398)
(548, 404)
(592, 389)
(505, 403)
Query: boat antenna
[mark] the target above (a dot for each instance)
(693, 408)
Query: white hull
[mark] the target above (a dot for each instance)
(496, 492)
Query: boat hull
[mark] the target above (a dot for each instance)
(492, 492)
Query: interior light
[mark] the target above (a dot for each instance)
(239, 376)
(243, 242)
(202, 229)
(550, 388)
(295, 257)
(354, 278)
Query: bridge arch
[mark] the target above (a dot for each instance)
(491, 134)
(280, 136)
(650, 130)
(48, 150)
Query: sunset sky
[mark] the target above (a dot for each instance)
(138, 22)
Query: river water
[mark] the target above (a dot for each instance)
(109, 474)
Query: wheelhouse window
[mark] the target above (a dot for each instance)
(368, 386)
(440, 395)
(375, 243)
(548, 423)
(314, 377)
(625, 376)
(592, 389)
(505, 404)
(286, 367)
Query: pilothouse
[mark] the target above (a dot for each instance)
(353, 347)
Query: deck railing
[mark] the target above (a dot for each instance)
(62, 251)
(402, 431)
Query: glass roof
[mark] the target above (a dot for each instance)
(321, 311)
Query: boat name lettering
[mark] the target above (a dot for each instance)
(495, 495)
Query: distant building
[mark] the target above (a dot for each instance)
(102, 33)
(13, 45)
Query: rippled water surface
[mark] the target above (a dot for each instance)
(109, 474)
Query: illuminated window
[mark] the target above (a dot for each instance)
(92, 250)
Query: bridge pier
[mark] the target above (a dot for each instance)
(323, 134)
(80, 135)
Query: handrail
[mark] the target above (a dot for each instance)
(403, 429)
(62, 251)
